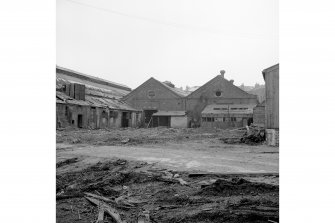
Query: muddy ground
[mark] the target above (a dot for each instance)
(137, 188)
(144, 187)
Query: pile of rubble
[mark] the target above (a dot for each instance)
(249, 135)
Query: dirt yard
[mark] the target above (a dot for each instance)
(165, 175)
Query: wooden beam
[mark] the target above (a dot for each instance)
(108, 209)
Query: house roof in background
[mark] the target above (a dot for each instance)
(178, 91)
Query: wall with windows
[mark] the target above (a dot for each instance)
(217, 91)
(93, 117)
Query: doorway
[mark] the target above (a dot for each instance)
(148, 117)
(80, 121)
(125, 119)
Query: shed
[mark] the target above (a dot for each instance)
(227, 115)
(174, 119)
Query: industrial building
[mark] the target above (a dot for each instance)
(218, 91)
(85, 101)
(153, 96)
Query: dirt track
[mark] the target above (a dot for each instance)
(197, 155)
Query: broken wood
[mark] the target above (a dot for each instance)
(99, 197)
(78, 215)
(108, 209)
(181, 181)
(144, 217)
(100, 214)
(122, 201)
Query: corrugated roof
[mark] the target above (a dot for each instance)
(90, 78)
(231, 109)
(94, 101)
(170, 113)
(92, 90)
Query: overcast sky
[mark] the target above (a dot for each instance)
(184, 41)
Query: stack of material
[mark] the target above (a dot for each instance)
(254, 135)
(248, 135)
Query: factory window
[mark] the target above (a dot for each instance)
(223, 119)
(210, 119)
(204, 119)
(233, 119)
(218, 93)
(151, 94)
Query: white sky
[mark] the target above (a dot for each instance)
(184, 41)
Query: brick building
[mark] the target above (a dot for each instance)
(218, 91)
(153, 96)
(84, 101)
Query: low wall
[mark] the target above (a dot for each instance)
(179, 122)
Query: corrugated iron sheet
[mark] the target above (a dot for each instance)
(228, 109)
(170, 113)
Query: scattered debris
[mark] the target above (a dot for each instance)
(181, 181)
(66, 162)
(78, 215)
(100, 214)
(249, 135)
(108, 209)
(99, 197)
(130, 192)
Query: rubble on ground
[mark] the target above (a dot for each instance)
(134, 136)
(251, 135)
(130, 191)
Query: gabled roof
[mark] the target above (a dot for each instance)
(269, 69)
(175, 91)
(217, 79)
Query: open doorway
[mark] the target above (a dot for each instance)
(148, 117)
(80, 121)
(125, 119)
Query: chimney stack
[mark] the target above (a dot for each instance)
(231, 81)
(222, 72)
